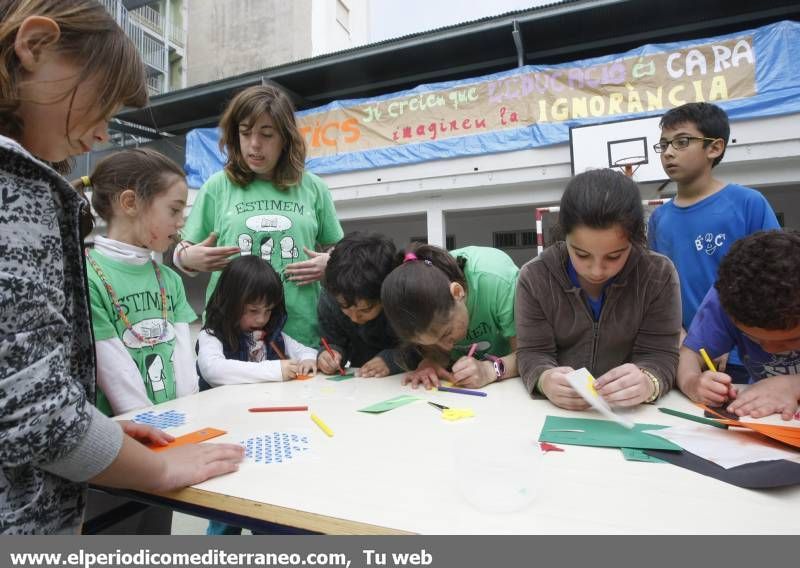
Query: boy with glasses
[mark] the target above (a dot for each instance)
(696, 229)
(755, 305)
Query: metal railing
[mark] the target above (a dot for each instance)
(154, 52)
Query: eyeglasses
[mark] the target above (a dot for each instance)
(679, 143)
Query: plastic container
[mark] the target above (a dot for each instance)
(497, 473)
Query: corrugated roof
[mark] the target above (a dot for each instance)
(552, 33)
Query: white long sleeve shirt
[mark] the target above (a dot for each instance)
(218, 371)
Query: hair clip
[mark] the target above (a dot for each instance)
(409, 257)
(86, 181)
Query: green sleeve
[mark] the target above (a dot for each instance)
(102, 324)
(330, 230)
(505, 293)
(201, 219)
(183, 312)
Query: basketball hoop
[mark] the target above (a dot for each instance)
(630, 164)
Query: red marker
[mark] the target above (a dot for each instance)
(330, 352)
(278, 408)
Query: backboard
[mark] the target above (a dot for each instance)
(618, 144)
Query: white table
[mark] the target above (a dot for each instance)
(396, 472)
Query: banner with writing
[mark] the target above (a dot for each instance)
(747, 73)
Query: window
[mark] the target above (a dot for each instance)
(514, 239)
(504, 239)
(528, 238)
(450, 241)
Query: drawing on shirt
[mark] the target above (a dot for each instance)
(288, 250)
(266, 248)
(155, 376)
(778, 364)
(709, 243)
(148, 329)
(245, 244)
(268, 229)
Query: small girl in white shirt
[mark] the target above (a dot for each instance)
(242, 340)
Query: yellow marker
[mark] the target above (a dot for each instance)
(590, 384)
(707, 359)
(322, 425)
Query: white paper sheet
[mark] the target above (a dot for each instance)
(727, 448)
(583, 383)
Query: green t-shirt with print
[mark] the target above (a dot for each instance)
(274, 224)
(137, 290)
(491, 288)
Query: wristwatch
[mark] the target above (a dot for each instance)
(499, 366)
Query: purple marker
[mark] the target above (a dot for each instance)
(461, 391)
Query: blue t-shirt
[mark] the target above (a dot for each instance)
(714, 331)
(595, 305)
(696, 237)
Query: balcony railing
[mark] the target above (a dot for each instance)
(154, 53)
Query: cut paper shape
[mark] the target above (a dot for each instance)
(583, 383)
(162, 421)
(390, 404)
(602, 433)
(191, 438)
(759, 475)
(637, 455)
(275, 447)
(303, 376)
(453, 414)
(727, 448)
(789, 435)
(346, 376)
(548, 447)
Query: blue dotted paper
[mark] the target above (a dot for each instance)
(275, 447)
(168, 419)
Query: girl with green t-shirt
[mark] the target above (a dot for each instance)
(264, 204)
(456, 307)
(140, 315)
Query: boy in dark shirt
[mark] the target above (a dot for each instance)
(351, 316)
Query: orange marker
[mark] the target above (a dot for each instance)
(277, 350)
(190, 438)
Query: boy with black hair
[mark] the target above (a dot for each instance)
(350, 313)
(696, 229)
(755, 306)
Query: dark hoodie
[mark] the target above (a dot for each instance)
(640, 322)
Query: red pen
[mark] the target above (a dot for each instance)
(330, 352)
(278, 408)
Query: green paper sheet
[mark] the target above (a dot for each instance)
(344, 377)
(390, 404)
(637, 455)
(602, 433)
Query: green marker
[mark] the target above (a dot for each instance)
(693, 418)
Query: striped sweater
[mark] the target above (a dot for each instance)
(52, 439)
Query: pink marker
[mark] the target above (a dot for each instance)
(472, 349)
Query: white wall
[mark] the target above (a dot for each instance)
(328, 35)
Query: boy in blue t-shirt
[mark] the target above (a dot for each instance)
(755, 306)
(696, 229)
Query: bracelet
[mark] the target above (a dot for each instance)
(656, 386)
